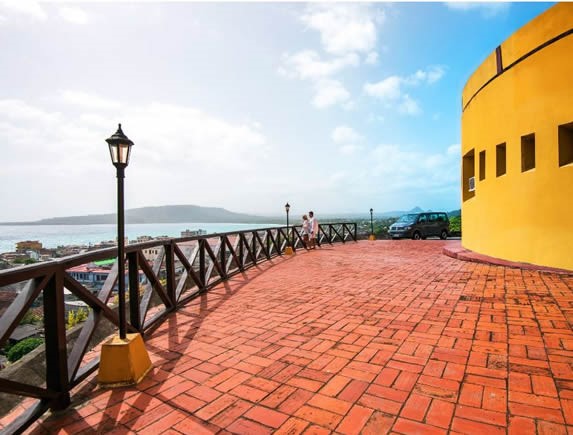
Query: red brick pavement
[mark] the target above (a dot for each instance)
(368, 337)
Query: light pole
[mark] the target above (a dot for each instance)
(119, 149)
(124, 360)
(372, 236)
(288, 249)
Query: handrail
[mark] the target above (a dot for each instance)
(184, 268)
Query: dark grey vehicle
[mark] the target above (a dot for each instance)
(421, 225)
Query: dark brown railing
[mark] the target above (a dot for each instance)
(183, 268)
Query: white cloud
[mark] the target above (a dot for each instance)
(307, 64)
(173, 143)
(344, 134)
(349, 149)
(390, 89)
(347, 139)
(387, 89)
(344, 28)
(346, 31)
(372, 58)
(17, 110)
(454, 150)
(488, 10)
(29, 8)
(328, 93)
(73, 15)
(403, 168)
(409, 106)
(429, 76)
(87, 100)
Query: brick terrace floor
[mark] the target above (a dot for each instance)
(368, 337)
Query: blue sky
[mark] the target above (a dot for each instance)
(334, 107)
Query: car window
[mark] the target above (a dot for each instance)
(407, 218)
(433, 217)
(422, 219)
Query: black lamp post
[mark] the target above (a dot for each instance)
(371, 223)
(287, 208)
(119, 149)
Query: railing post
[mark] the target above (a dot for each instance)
(355, 231)
(330, 233)
(241, 253)
(223, 251)
(343, 233)
(134, 313)
(55, 340)
(268, 244)
(280, 251)
(254, 247)
(202, 269)
(291, 238)
(170, 274)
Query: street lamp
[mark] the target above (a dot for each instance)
(124, 361)
(119, 150)
(372, 236)
(288, 249)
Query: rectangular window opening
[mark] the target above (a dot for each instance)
(468, 172)
(481, 165)
(527, 152)
(500, 159)
(566, 144)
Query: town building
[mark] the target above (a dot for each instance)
(28, 245)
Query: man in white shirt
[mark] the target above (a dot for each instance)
(313, 229)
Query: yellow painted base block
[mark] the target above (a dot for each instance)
(123, 362)
(288, 250)
(371, 237)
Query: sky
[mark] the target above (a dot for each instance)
(335, 107)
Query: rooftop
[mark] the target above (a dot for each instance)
(369, 336)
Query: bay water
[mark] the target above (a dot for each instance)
(52, 236)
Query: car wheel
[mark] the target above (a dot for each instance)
(444, 235)
(416, 235)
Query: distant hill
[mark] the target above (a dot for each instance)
(195, 213)
(161, 214)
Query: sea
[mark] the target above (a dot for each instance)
(52, 236)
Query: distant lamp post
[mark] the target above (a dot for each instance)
(123, 361)
(288, 249)
(372, 236)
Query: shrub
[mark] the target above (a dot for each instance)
(22, 348)
(75, 317)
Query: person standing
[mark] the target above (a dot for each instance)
(306, 229)
(313, 230)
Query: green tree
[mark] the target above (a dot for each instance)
(22, 348)
(455, 224)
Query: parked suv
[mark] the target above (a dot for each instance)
(421, 225)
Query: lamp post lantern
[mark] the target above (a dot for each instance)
(124, 360)
(288, 249)
(119, 150)
(372, 236)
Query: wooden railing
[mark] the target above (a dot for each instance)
(183, 269)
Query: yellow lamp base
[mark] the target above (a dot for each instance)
(371, 237)
(288, 251)
(123, 362)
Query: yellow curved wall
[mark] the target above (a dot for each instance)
(521, 216)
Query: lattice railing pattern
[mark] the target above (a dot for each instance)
(182, 269)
